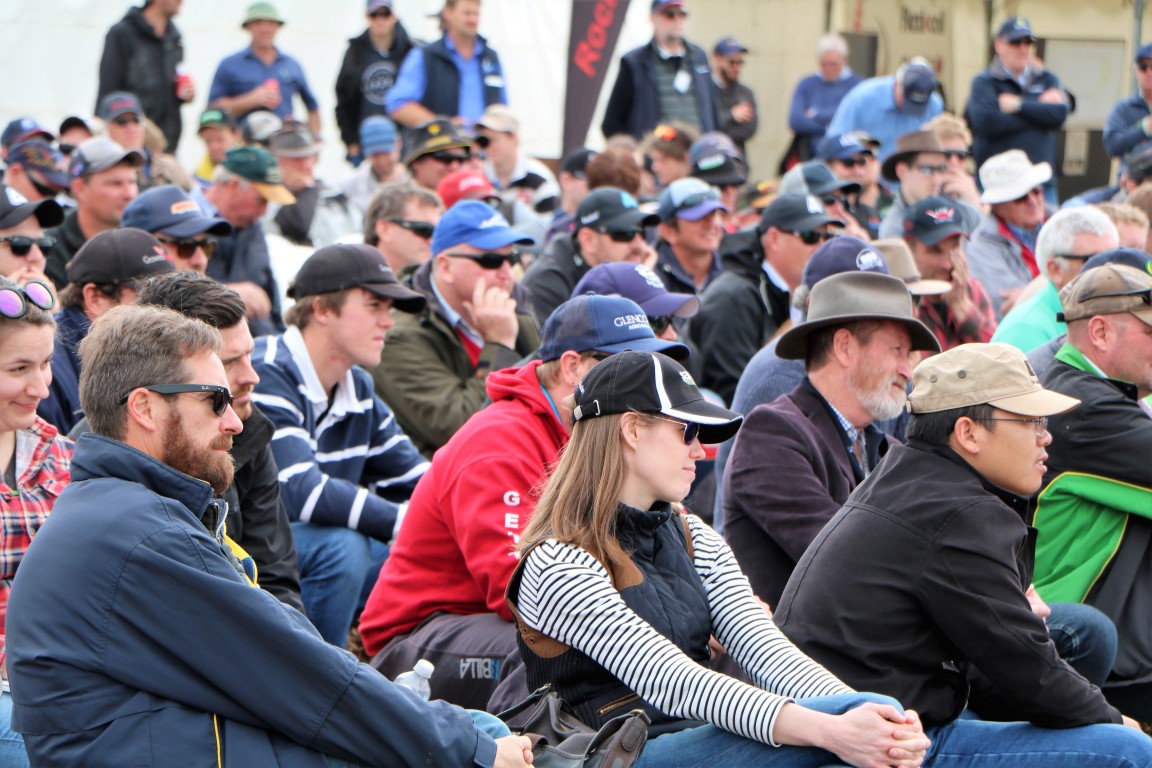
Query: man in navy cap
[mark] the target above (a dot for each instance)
(1016, 103)
(1129, 122)
(441, 593)
(934, 231)
(346, 467)
(850, 159)
(735, 101)
(476, 321)
(34, 170)
(609, 228)
(23, 245)
(188, 236)
(23, 129)
(888, 107)
(667, 78)
(748, 303)
(691, 227)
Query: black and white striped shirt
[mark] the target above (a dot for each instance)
(566, 594)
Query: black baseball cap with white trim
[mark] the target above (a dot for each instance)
(649, 382)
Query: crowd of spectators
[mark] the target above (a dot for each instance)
(304, 423)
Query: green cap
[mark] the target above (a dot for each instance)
(259, 166)
(262, 12)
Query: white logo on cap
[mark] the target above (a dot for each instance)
(15, 198)
(709, 162)
(382, 268)
(687, 378)
(869, 260)
(495, 220)
(632, 321)
(814, 204)
(649, 276)
(590, 217)
(154, 259)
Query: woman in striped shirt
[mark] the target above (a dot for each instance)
(617, 595)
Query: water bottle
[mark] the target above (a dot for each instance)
(418, 679)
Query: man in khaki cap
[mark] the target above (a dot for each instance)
(857, 344)
(915, 588)
(1093, 515)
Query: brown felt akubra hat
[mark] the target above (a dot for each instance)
(907, 146)
(849, 297)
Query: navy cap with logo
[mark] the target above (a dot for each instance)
(842, 254)
(919, 83)
(475, 223)
(1015, 28)
(843, 147)
(716, 160)
(651, 383)
(933, 219)
(41, 162)
(640, 284)
(100, 154)
(728, 45)
(608, 324)
(609, 209)
(14, 208)
(795, 213)
(118, 256)
(169, 211)
(338, 267)
(23, 129)
(576, 162)
(119, 103)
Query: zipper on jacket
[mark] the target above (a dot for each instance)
(617, 704)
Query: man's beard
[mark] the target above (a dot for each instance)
(208, 464)
(876, 394)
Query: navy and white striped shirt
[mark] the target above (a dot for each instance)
(566, 594)
(354, 467)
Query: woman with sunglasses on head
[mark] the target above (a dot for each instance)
(618, 593)
(35, 460)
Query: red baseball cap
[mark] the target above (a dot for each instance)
(465, 184)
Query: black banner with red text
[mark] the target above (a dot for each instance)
(595, 29)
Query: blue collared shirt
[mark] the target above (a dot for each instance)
(413, 80)
(241, 72)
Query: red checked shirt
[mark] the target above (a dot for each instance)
(977, 325)
(43, 469)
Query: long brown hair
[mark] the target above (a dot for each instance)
(578, 503)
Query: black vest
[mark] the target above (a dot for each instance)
(669, 596)
(442, 92)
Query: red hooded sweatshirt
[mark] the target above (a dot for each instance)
(455, 551)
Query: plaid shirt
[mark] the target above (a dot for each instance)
(43, 468)
(951, 331)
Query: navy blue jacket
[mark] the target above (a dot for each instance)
(1125, 128)
(133, 639)
(62, 406)
(634, 106)
(1032, 129)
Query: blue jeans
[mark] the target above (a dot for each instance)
(1021, 745)
(335, 563)
(709, 745)
(1085, 638)
(12, 752)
